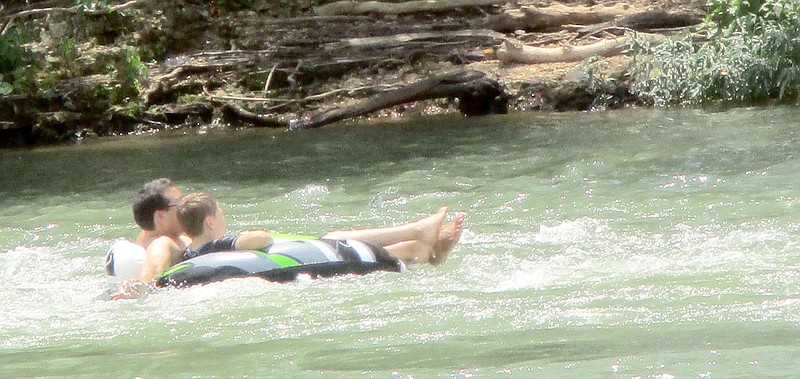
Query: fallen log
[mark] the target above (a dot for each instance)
(553, 17)
(232, 112)
(388, 41)
(477, 94)
(175, 114)
(648, 21)
(514, 52)
(340, 8)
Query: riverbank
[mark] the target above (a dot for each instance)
(139, 66)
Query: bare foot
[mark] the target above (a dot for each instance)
(420, 250)
(449, 235)
(429, 227)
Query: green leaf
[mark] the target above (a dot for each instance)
(5, 88)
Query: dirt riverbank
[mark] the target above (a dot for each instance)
(145, 65)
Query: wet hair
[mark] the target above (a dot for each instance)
(193, 210)
(149, 200)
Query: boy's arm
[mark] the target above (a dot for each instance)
(253, 239)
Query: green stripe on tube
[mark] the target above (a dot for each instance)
(279, 259)
(283, 260)
(175, 269)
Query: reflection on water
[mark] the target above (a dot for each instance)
(651, 244)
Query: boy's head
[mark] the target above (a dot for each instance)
(198, 213)
(159, 195)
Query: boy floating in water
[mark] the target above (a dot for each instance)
(155, 210)
(422, 241)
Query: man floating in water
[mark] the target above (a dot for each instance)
(156, 208)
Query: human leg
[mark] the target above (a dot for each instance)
(425, 230)
(411, 251)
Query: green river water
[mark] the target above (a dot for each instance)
(626, 244)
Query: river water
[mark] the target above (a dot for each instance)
(625, 244)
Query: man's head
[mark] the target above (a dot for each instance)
(200, 212)
(152, 207)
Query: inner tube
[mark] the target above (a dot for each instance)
(124, 259)
(284, 262)
(286, 259)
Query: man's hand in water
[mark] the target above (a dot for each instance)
(131, 289)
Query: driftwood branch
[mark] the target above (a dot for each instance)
(477, 95)
(324, 95)
(286, 101)
(377, 7)
(368, 42)
(593, 18)
(235, 113)
(269, 79)
(512, 52)
(553, 17)
(227, 97)
(294, 21)
(649, 20)
(162, 86)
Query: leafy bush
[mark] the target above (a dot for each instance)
(131, 73)
(69, 53)
(10, 60)
(16, 71)
(84, 5)
(747, 51)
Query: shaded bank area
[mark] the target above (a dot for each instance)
(82, 69)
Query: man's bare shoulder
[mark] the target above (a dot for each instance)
(147, 239)
(167, 242)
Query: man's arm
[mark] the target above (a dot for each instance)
(157, 260)
(253, 239)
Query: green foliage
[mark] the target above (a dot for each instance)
(131, 73)
(152, 52)
(10, 53)
(69, 53)
(5, 87)
(752, 54)
(84, 5)
(597, 83)
(131, 109)
(16, 71)
(726, 13)
(289, 8)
